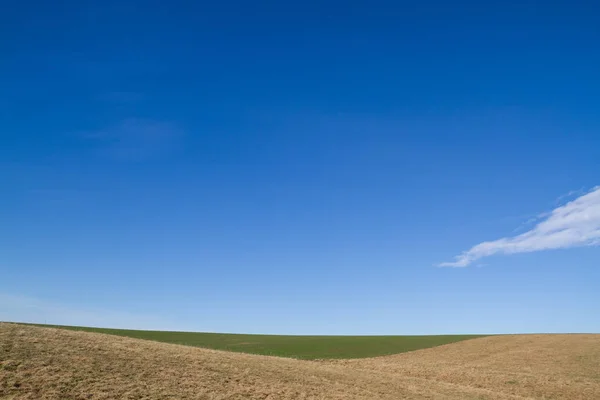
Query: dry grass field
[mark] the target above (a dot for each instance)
(47, 363)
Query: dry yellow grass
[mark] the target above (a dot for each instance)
(525, 366)
(45, 363)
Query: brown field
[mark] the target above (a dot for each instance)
(46, 363)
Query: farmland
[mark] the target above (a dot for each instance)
(301, 347)
(48, 363)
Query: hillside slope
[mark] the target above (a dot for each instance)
(46, 363)
(532, 366)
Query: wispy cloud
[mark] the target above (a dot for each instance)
(27, 309)
(137, 139)
(574, 224)
(570, 194)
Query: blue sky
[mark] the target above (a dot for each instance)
(327, 168)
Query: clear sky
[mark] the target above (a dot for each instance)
(301, 167)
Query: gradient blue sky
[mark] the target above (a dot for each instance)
(276, 167)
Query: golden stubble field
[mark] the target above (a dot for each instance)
(47, 363)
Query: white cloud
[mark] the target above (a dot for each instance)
(574, 224)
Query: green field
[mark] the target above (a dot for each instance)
(302, 347)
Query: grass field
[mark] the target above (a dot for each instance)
(301, 347)
(51, 364)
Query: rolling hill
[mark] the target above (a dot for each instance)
(50, 363)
